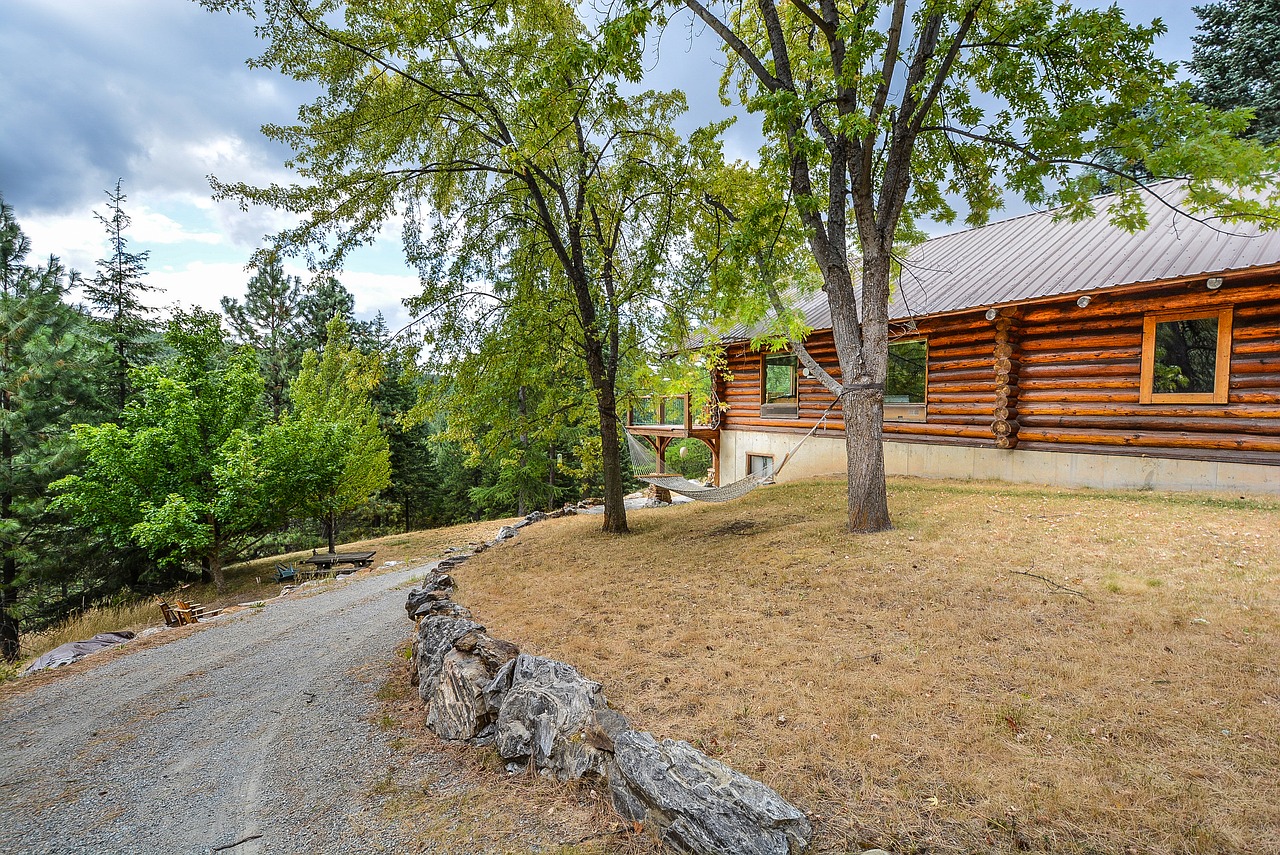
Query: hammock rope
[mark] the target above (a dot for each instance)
(642, 457)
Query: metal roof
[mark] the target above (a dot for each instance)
(1038, 255)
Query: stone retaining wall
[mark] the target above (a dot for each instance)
(542, 714)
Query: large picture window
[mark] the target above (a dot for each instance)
(905, 380)
(779, 395)
(1186, 358)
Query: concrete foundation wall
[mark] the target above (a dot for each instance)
(825, 456)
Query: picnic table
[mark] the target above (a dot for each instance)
(328, 560)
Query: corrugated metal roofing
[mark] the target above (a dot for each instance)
(1037, 255)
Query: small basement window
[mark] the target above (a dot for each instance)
(758, 464)
(1186, 358)
(905, 381)
(779, 395)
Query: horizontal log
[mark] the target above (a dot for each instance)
(1256, 347)
(1082, 344)
(1131, 353)
(936, 429)
(960, 337)
(1150, 439)
(1126, 423)
(1006, 325)
(1005, 413)
(1255, 365)
(1008, 386)
(1007, 442)
(1155, 410)
(1174, 299)
(945, 375)
(1003, 350)
(1262, 312)
(979, 408)
(1123, 368)
(1256, 383)
(966, 388)
(1232, 455)
(1254, 332)
(1031, 381)
(1029, 397)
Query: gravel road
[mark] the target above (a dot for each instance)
(252, 735)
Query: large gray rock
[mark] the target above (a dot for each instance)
(458, 707)
(694, 804)
(553, 718)
(436, 635)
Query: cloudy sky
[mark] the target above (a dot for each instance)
(156, 92)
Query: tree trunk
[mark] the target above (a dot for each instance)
(330, 523)
(10, 646)
(215, 569)
(615, 510)
(863, 349)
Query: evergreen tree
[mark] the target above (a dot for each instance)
(1236, 61)
(270, 320)
(45, 354)
(325, 298)
(115, 294)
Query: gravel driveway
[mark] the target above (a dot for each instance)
(252, 735)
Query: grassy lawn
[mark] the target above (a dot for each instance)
(914, 690)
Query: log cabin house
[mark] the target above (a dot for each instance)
(1044, 351)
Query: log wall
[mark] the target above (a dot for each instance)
(1055, 376)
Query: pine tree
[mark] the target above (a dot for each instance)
(45, 356)
(115, 293)
(270, 321)
(1236, 61)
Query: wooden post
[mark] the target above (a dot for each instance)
(1006, 362)
(662, 494)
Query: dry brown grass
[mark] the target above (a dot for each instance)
(912, 692)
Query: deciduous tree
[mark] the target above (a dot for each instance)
(182, 474)
(881, 114)
(499, 130)
(338, 455)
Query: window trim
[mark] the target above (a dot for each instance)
(897, 411)
(785, 411)
(1222, 362)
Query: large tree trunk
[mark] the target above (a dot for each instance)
(215, 569)
(330, 524)
(863, 350)
(615, 509)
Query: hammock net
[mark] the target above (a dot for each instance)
(643, 458)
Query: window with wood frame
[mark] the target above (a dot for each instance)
(779, 389)
(1186, 357)
(906, 380)
(758, 464)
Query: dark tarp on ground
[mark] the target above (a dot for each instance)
(75, 650)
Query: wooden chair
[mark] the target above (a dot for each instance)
(171, 617)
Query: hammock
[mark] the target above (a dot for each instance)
(644, 458)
